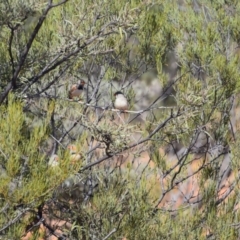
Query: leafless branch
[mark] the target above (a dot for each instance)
(11, 222)
(110, 234)
(148, 138)
(58, 4)
(158, 98)
(24, 54)
(10, 51)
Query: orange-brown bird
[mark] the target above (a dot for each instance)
(53, 161)
(76, 90)
(75, 156)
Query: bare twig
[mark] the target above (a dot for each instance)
(10, 51)
(24, 54)
(148, 138)
(3, 153)
(110, 234)
(11, 222)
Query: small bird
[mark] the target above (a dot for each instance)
(76, 90)
(121, 102)
(75, 156)
(53, 161)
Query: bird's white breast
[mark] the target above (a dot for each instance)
(121, 103)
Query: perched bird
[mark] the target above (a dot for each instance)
(74, 154)
(53, 161)
(74, 157)
(76, 90)
(121, 102)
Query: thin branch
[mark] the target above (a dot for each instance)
(96, 89)
(148, 138)
(184, 179)
(24, 54)
(58, 4)
(158, 98)
(64, 59)
(107, 108)
(3, 153)
(10, 51)
(57, 141)
(11, 222)
(34, 79)
(110, 234)
(53, 81)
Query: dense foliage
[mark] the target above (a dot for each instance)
(165, 169)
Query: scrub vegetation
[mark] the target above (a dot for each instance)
(167, 168)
